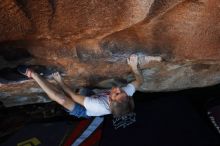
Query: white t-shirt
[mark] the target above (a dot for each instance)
(98, 105)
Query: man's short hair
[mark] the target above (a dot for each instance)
(120, 108)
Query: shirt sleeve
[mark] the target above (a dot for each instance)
(95, 107)
(129, 89)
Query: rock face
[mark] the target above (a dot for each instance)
(89, 41)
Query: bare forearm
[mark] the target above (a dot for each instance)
(138, 77)
(133, 63)
(77, 98)
(66, 88)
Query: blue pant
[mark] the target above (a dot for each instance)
(79, 111)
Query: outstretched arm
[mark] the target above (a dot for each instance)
(77, 98)
(133, 63)
(52, 91)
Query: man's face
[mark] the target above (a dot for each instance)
(117, 94)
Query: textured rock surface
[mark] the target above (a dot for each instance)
(89, 41)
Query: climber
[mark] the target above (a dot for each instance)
(117, 101)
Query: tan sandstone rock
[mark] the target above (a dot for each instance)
(89, 41)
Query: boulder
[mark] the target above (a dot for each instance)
(88, 41)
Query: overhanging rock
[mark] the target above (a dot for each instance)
(89, 41)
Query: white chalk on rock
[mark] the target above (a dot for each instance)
(143, 59)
